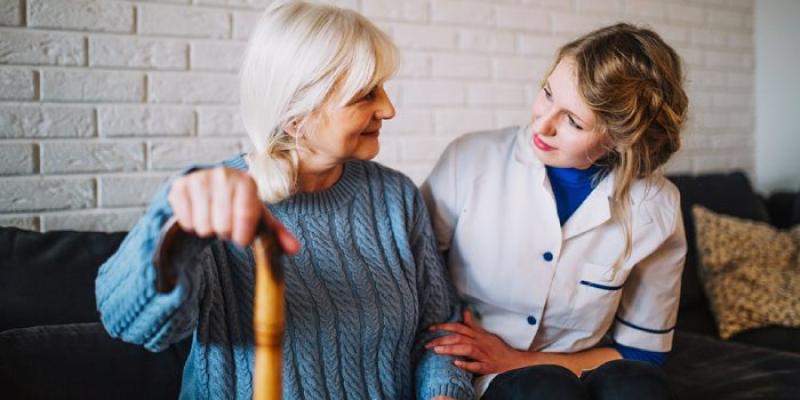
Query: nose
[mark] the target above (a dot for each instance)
(545, 124)
(385, 107)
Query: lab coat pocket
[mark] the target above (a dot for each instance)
(598, 289)
(599, 277)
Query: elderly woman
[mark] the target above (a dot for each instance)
(364, 280)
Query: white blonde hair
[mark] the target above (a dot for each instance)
(300, 57)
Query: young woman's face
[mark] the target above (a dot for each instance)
(564, 132)
(350, 132)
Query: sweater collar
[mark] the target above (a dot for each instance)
(330, 199)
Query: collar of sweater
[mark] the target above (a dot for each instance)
(329, 199)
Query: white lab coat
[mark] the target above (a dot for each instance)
(538, 285)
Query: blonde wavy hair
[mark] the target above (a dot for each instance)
(633, 82)
(300, 57)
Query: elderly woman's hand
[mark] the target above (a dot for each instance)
(223, 202)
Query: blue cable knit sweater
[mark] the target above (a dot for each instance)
(366, 284)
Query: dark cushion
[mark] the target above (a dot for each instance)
(729, 194)
(773, 337)
(48, 278)
(80, 361)
(697, 320)
(700, 320)
(703, 368)
(783, 209)
(796, 213)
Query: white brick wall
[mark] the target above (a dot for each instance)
(88, 15)
(101, 100)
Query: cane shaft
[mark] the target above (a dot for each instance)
(268, 323)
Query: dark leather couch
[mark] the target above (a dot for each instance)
(52, 345)
(758, 364)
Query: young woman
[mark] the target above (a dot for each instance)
(364, 280)
(563, 231)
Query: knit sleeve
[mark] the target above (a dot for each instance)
(435, 374)
(129, 306)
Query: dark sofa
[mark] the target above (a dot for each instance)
(52, 345)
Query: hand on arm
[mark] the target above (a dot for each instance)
(224, 203)
(487, 353)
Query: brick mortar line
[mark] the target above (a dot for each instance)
(92, 175)
(118, 35)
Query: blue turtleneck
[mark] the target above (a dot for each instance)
(571, 186)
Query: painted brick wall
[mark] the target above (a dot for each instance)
(100, 100)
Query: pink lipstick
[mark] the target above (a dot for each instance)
(541, 145)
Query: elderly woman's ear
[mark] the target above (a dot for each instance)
(293, 129)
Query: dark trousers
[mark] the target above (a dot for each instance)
(617, 380)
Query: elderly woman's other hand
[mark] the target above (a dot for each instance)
(224, 202)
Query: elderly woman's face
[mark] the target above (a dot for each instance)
(351, 132)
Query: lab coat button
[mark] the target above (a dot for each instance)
(531, 320)
(548, 256)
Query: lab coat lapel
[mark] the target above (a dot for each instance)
(542, 197)
(594, 211)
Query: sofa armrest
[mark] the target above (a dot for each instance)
(48, 278)
(80, 361)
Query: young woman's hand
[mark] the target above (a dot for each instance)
(486, 353)
(224, 203)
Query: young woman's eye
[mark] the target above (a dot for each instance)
(573, 123)
(547, 93)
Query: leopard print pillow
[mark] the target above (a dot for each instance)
(750, 270)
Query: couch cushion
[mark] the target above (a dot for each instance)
(80, 361)
(703, 368)
(697, 320)
(48, 278)
(774, 337)
(751, 272)
(781, 207)
(724, 193)
(796, 213)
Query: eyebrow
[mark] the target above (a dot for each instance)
(550, 89)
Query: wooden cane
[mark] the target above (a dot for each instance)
(268, 320)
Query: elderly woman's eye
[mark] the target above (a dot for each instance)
(370, 95)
